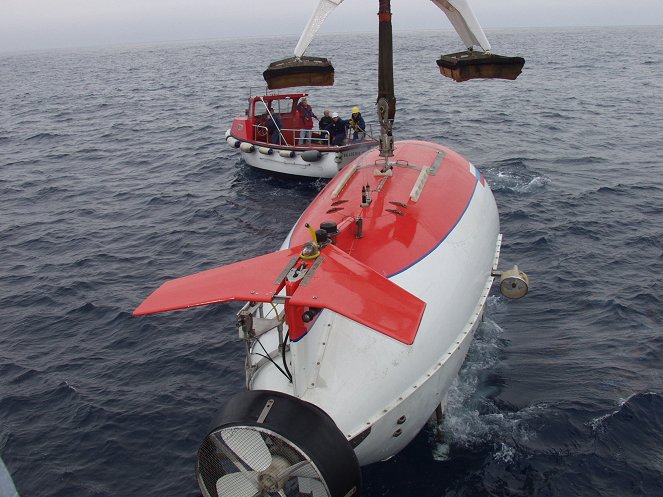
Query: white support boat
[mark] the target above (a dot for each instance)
(281, 150)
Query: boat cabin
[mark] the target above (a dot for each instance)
(254, 127)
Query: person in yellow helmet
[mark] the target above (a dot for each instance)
(357, 124)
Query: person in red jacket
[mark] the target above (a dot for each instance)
(306, 116)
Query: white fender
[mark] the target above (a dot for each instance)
(247, 148)
(311, 155)
(233, 142)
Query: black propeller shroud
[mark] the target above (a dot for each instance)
(276, 427)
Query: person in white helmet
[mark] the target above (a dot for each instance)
(337, 129)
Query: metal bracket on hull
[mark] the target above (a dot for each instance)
(419, 185)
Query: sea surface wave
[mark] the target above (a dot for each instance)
(115, 176)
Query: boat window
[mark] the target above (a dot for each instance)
(259, 109)
(280, 106)
(283, 106)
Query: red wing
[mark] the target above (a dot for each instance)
(252, 280)
(349, 287)
(340, 283)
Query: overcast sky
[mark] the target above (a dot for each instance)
(35, 24)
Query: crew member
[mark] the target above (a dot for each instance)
(357, 124)
(337, 129)
(306, 115)
(274, 126)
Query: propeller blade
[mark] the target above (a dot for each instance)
(236, 485)
(313, 487)
(302, 468)
(249, 447)
(308, 478)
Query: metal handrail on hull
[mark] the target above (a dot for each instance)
(260, 130)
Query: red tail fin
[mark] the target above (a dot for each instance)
(337, 282)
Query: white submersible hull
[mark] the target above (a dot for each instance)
(354, 330)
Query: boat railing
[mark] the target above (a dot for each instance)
(361, 135)
(261, 90)
(291, 136)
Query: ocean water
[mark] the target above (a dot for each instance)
(114, 176)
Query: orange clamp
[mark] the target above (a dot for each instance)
(384, 16)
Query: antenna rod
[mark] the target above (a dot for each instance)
(386, 97)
